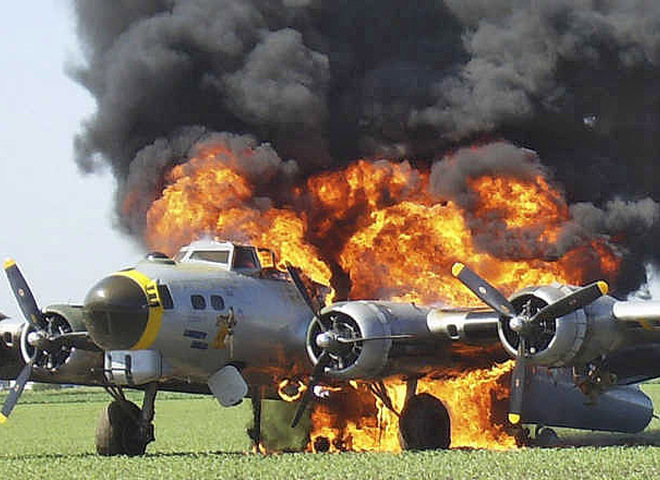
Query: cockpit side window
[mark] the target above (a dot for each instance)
(245, 258)
(266, 258)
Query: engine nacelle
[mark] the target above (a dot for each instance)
(11, 362)
(382, 322)
(468, 327)
(61, 364)
(575, 338)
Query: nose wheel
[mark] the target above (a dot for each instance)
(124, 428)
(117, 430)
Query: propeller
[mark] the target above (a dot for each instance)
(34, 317)
(324, 358)
(52, 338)
(526, 324)
(16, 391)
(336, 340)
(302, 289)
(24, 296)
(484, 290)
(300, 285)
(323, 361)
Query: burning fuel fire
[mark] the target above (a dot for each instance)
(376, 224)
(476, 401)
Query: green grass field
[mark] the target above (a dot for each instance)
(51, 435)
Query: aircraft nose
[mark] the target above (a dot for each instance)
(116, 312)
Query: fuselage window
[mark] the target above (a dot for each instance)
(165, 297)
(217, 302)
(197, 302)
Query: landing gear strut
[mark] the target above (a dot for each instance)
(124, 428)
(255, 432)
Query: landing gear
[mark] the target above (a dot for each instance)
(124, 428)
(546, 437)
(117, 430)
(255, 431)
(424, 424)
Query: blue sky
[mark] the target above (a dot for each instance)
(56, 222)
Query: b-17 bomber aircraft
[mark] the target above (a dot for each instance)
(220, 319)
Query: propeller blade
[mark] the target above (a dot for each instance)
(323, 361)
(518, 384)
(24, 296)
(482, 289)
(79, 340)
(295, 276)
(297, 281)
(574, 301)
(15, 392)
(368, 339)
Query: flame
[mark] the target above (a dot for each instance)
(373, 230)
(377, 223)
(207, 197)
(358, 421)
(291, 390)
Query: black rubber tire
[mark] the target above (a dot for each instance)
(117, 430)
(424, 424)
(547, 437)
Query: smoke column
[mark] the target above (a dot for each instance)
(316, 84)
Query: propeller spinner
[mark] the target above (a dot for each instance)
(527, 324)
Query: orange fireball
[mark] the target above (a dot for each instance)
(373, 230)
(376, 223)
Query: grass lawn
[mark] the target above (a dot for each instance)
(51, 435)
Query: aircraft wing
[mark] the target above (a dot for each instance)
(606, 342)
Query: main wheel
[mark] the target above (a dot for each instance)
(117, 432)
(546, 437)
(424, 424)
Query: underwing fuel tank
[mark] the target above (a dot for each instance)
(551, 399)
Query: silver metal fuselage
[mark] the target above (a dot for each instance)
(267, 340)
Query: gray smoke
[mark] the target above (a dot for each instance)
(450, 176)
(325, 82)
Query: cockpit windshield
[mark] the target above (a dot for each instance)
(224, 255)
(215, 256)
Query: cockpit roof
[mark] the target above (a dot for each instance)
(226, 255)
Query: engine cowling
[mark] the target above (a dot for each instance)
(575, 338)
(395, 339)
(46, 357)
(352, 320)
(11, 363)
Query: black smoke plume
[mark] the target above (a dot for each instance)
(326, 82)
